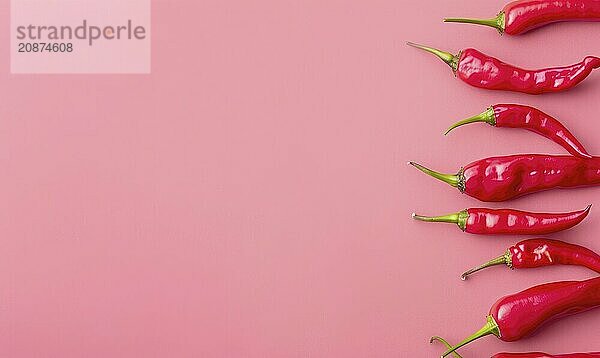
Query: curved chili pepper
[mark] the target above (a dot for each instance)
(542, 252)
(521, 355)
(483, 71)
(486, 221)
(508, 177)
(518, 315)
(532, 119)
(524, 15)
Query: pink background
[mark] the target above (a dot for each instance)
(251, 198)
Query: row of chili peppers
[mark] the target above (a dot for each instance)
(516, 316)
(502, 178)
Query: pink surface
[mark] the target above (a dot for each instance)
(251, 198)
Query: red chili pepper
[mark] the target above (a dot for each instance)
(508, 177)
(521, 355)
(519, 315)
(543, 252)
(483, 71)
(532, 119)
(486, 221)
(524, 15)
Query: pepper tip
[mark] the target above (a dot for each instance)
(587, 208)
(413, 215)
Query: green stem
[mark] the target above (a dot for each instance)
(505, 259)
(459, 218)
(450, 59)
(488, 117)
(445, 343)
(491, 327)
(455, 180)
(497, 22)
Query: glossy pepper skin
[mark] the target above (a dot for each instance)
(519, 315)
(522, 355)
(534, 253)
(521, 16)
(480, 70)
(508, 177)
(485, 221)
(531, 119)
